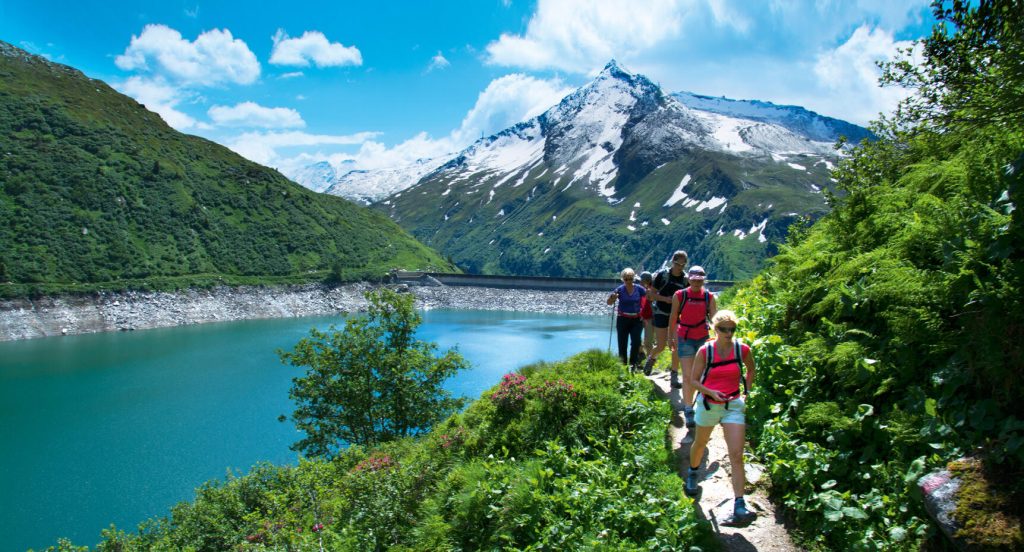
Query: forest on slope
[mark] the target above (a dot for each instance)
(96, 191)
(892, 331)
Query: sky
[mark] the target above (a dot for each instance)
(380, 84)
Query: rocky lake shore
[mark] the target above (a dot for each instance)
(137, 310)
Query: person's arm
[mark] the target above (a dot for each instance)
(712, 304)
(672, 321)
(748, 361)
(613, 296)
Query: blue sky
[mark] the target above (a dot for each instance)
(380, 84)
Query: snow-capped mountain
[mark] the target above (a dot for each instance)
(797, 119)
(317, 177)
(620, 173)
(364, 186)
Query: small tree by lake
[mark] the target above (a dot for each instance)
(371, 382)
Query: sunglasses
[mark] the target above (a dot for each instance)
(723, 329)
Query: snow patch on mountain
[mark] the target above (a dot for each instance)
(317, 177)
(814, 127)
(678, 195)
(364, 186)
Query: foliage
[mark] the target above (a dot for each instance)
(96, 191)
(971, 75)
(596, 479)
(889, 332)
(372, 382)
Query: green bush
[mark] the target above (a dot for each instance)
(888, 333)
(580, 464)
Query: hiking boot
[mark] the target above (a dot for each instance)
(690, 487)
(689, 416)
(740, 513)
(675, 381)
(648, 365)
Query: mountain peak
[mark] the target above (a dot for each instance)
(616, 71)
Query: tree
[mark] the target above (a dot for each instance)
(971, 73)
(372, 382)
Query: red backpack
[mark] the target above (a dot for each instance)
(646, 312)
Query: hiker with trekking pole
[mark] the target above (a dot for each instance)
(628, 323)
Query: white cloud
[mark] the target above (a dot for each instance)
(160, 98)
(262, 147)
(578, 35)
(314, 47)
(849, 74)
(292, 75)
(374, 155)
(506, 101)
(726, 16)
(215, 57)
(251, 114)
(438, 62)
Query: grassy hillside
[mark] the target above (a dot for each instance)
(97, 191)
(563, 456)
(891, 333)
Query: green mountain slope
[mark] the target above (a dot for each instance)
(96, 189)
(543, 228)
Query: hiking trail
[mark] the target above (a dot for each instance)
(714, 502)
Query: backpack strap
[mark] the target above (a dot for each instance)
(709, 352)
(707, 308)
(709, 355)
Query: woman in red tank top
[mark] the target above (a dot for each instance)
(692, 308)
(722, 400)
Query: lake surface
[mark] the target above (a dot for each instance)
(118, 427)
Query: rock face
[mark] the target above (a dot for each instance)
(26, 319)
(939, 491)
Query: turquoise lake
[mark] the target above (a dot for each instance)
(118, 427)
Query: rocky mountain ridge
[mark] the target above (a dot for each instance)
(620, 173)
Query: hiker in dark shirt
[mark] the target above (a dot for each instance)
(628, 323)
(666, 282)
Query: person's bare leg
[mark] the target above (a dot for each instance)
(735, 437)
(659, 346)
(697, 447)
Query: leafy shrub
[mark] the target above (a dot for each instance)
(581, 466)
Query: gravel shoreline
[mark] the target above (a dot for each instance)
(134, 310)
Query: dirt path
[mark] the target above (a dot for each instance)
(714, 503)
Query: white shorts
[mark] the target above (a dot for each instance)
(718, 413)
